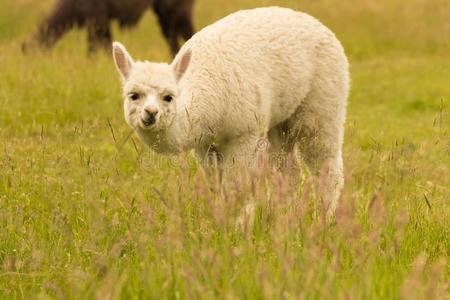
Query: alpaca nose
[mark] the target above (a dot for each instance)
(149, 117)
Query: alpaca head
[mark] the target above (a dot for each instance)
(151, 91)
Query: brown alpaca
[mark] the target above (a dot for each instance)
(174, 16)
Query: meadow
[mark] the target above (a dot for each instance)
(87, 214)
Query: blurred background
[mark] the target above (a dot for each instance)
(365, 27)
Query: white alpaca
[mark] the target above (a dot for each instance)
(264, 73)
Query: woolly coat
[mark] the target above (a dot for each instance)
(268, 74)
(253, 70)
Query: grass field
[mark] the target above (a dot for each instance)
(83, 217)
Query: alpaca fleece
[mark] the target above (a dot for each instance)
(270, 73)
(174, 16)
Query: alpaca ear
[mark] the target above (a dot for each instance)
(182, 65)
(123, 60)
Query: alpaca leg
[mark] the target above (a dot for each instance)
(99, 34)
(329, 168)
(237, 155)
(184, 27)
(50, 33)
(281, 150)
(168, 29)
(208, 156)
(319, 136)
(60, 19)
(242, 152)
(166, 18)
(185, 24)
(318, 125)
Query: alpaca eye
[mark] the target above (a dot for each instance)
(167, 98)
(134, 96)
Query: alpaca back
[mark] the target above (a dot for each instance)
(254, 62)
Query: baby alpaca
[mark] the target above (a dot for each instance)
(264, 73)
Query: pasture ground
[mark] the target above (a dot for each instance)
(82, 216)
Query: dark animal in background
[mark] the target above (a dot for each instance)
(174, 16)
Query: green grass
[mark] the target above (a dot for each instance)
(82, 217)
